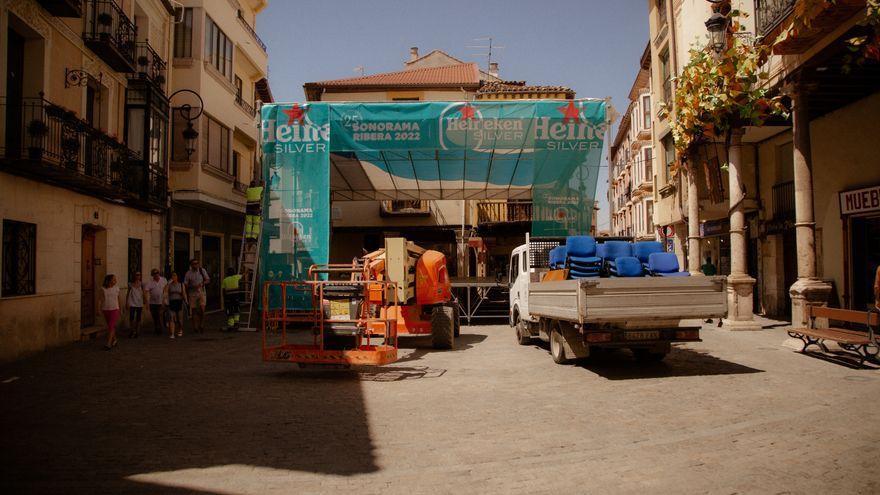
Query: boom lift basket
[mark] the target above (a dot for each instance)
(306, 336)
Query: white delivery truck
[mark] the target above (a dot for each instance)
(576, 316)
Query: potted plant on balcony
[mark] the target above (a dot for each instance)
(37, 130)
(105, 22)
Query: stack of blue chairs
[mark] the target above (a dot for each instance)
(613, 251)
(557, 258)
(643, 249)
(582, 259)
(664, 265)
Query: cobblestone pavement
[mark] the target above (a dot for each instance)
(736, 413)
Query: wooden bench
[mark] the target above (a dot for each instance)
(865, 343)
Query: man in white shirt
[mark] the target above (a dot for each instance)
(195, 281)
(155, 287)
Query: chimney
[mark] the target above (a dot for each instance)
(413, 53)
(493, 69)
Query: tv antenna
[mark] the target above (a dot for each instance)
(489, 47)
(360, 69)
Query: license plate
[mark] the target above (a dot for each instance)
(649, 335)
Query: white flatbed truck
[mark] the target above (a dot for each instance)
(643, 314)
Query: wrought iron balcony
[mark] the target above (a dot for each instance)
(770, 13)
(504, 211)
(249, 29)
(150, 65)
(109, 33)
(63, 8)
(48, 143)
(247, 107)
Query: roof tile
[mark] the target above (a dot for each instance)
(451, 75)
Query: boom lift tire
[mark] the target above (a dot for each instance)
(443, 327)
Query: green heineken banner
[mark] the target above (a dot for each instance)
(546, 150)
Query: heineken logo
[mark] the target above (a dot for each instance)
(463, 125)
(297, 134)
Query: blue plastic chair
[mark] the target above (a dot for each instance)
(643, 249)
(557, 257)
(664, 265)
(601, 250)
(614, 250)
(586, 273)
(628, 266)
(581, 251)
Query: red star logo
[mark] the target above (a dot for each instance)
(295, 114)
(570, 112)
(467, 112)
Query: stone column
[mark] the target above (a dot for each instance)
(739, 284)
(808, 289)
(693, 208)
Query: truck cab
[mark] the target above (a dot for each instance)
(518, 275)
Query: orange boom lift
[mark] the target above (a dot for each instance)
(401, 289)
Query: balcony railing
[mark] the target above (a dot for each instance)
(63, 8)
(150, 65)
(109, 33)
(770, 13)
(504, 211)
(783, 201)
(249, 29)
(247, 107)
(416, 208)
(51, 144)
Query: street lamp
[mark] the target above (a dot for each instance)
(190, 134)
(717, 27)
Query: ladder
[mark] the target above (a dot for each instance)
(248, 264)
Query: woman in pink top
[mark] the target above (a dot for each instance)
(110, 308)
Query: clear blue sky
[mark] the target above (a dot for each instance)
(592, 46)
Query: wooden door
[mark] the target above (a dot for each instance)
(87, 279)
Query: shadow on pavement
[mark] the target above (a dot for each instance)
(842, 358)
(422, 345)
(620, 365)
(79, 419)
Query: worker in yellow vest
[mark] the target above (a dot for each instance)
(253, 210)
(232, 298)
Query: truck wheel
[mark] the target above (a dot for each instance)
(646, 356)
(457, 321)
(442, 327)
(557, 347)
(523, 337)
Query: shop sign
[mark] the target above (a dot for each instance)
(860, 200)
(714, 227)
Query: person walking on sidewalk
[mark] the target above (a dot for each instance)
(110, 307)
(155, 287)
(195, 281)
(134, 301)
(173, 297)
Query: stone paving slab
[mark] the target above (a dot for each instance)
(736, 413)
